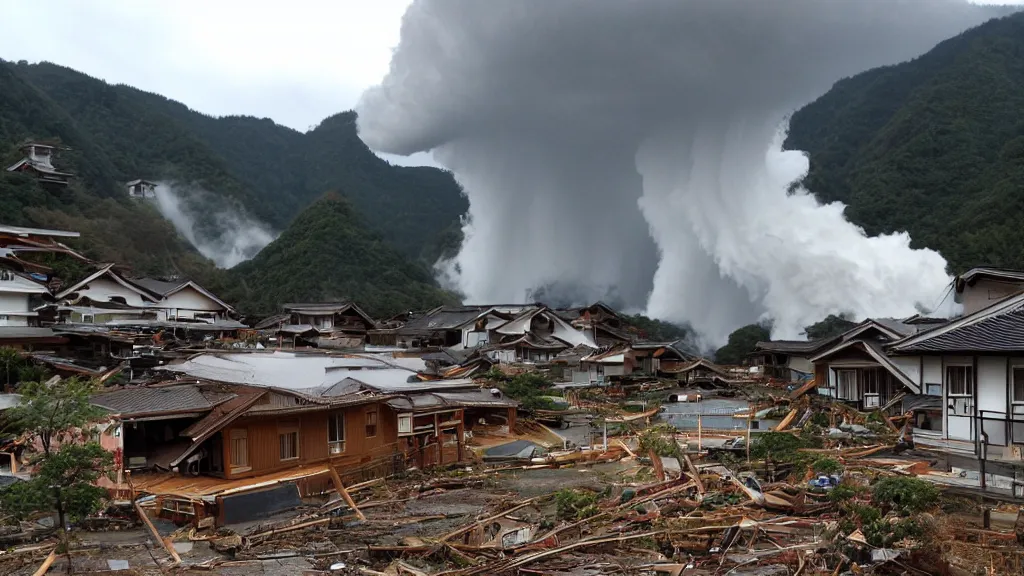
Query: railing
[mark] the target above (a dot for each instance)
(1002, 429)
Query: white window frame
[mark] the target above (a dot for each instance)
(405, 423)
(336, 442)
(968, 381)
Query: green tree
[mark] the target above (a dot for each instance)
(741, 343)
(831, 326)
(10, 362)
(55, 412)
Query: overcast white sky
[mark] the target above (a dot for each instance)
(293, 62)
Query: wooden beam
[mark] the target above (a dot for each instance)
(46, 564)
(340, 487)
(165, 542)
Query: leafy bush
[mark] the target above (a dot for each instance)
(529, 389)
(904, 494)
(575, 504)
(827, 466)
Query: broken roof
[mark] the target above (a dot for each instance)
(795, 347)
(182, 398)
(475, 398)
(989, 273)
(27, 232)
(327, 308)
(445, 318)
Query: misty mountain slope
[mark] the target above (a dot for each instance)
(934, 146)
(253, 165)
(114, 228)
(328, 254)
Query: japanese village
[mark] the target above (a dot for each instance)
(232, 347)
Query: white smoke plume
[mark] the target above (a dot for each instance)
(633, 149)
(218, 231)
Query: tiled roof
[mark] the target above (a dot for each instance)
(171, 399)
(1002, 333)
(794, 346)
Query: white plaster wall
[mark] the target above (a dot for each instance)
(102, 289)
(186, 302)
(614, 370)
(932, 371)
(13, 302)
(959, 428)
(801, 364)
(992, 383)
(909, 365)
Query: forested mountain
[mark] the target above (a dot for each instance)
(399, 218)
(270, 171)
(934, 146)
(327, 255)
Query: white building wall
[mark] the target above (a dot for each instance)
(801, 364)
(186, 302)
(13, 302)
(911, 366)
(992, 383)
(102, 289)
(932, 373)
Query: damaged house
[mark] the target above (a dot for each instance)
(238, 416)
(338, 325)
(788, 360)
(505, 333)
(181, 301)
(856, 368)
(639, 359)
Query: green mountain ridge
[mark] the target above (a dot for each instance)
(242, 165)
(934, 147)
(266, 170)
(328, 255)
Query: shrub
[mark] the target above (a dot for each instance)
(827, 466)
(904, 494)
(575, 504)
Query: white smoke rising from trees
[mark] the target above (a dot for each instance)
(581, 130)
(219, 232)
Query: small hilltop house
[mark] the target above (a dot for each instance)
(38, 161)
(141, 189)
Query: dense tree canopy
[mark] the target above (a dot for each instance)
(831, 326)
(934, 147)
(741, 343)
(328, 255)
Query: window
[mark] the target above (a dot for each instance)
(848, 384)
(960, 380)
(1018, 385)
(288, 440)
(933, 389)
(405, 423)
(336, 432)
(371, 422)
(239, 448)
